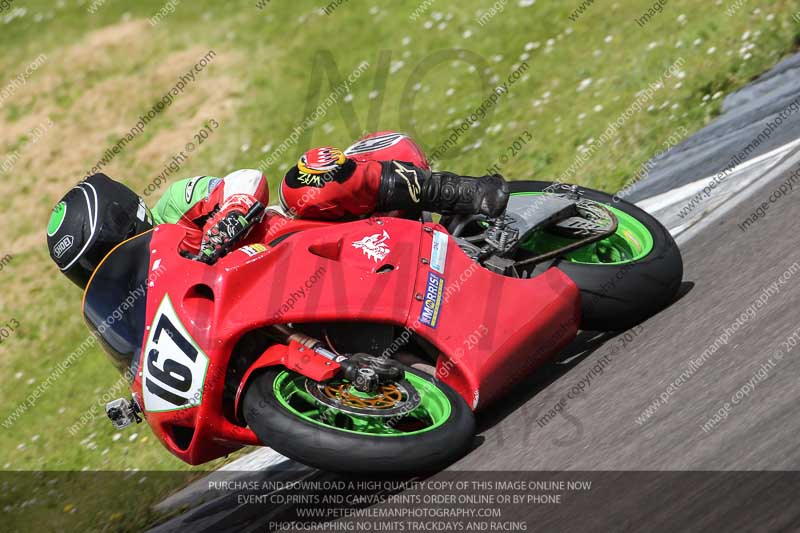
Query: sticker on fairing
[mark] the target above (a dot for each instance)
(254, 249)
(439, 251)
(174, 367)
(374, 246)
(432, 301)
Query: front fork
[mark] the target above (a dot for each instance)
(366, 372)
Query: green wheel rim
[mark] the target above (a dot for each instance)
(631, 242)
(433, 410)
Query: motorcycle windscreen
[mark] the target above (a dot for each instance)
(115, 302)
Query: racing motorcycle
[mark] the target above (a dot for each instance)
(367, 346)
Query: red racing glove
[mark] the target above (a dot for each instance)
(226, 223)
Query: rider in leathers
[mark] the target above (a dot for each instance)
(326, 183)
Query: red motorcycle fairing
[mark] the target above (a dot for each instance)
(314, 275)
(491, 330)
(488, 330)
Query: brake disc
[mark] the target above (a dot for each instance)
(594, 219)
(387, 401)
(599, 224)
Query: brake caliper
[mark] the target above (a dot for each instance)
(367, 373)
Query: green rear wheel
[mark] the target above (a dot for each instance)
(630, 243)
(624, 278)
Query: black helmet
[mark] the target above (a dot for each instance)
(94, 217)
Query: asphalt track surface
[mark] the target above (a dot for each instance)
(726, 271)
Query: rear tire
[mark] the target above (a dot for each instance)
(617, 296)
(337, 450)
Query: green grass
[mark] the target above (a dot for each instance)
(94, 89)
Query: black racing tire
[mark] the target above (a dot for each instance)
(617, 297)
(356, 453)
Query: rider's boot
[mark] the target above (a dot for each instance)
(407, 187)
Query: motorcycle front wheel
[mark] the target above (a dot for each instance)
(418, 424)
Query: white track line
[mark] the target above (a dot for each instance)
(675, 196)
(737, 198)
